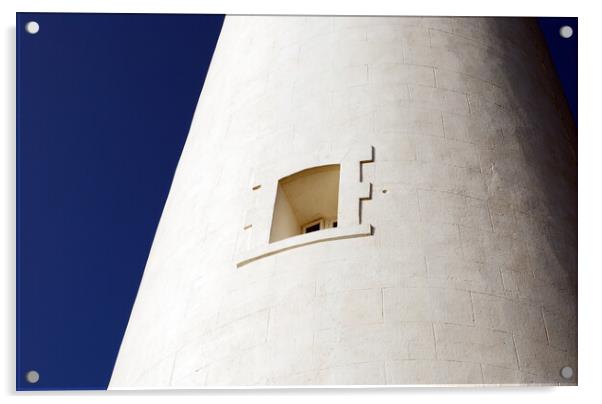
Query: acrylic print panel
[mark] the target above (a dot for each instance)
(152, 150)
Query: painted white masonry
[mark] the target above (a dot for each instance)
(470, 273)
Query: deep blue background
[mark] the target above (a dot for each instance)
(104, 107)
(564, 56)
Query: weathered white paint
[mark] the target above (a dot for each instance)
(470, 273)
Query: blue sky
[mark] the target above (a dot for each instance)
(104, 107)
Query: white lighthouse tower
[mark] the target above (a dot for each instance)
(366, 200)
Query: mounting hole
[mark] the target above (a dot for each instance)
(384, 191)
(566, 31)
(32, 376)
(32, 27)
(566, 372)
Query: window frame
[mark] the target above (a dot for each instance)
(320, 221)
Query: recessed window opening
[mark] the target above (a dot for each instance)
(306, 202)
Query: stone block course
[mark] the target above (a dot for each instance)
(427, 304)
(465, 343)
(433, 372)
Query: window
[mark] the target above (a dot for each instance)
(292, 206)
(306, 201)
(314, 226)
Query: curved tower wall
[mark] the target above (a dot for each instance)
(467, 273)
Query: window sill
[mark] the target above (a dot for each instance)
(304, 239)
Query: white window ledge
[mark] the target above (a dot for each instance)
(336, 233)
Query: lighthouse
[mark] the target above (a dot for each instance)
(366, 201)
